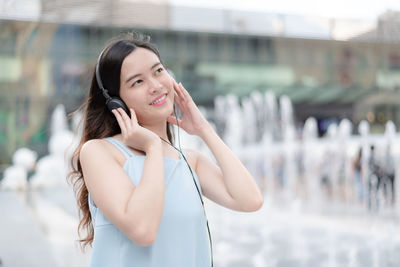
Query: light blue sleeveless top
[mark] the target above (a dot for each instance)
(182, 238)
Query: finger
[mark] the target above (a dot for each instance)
(126, 119)
(133, 117)
(175, 85)
(182, 94)
(179, 103)
(177, 96)
(120, 121)
(173, 120)
(185, 92)
(178, 90)
(187, 102)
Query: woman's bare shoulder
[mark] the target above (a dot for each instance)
(93, 146)
(100, 149)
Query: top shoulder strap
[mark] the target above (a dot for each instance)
(123, 148)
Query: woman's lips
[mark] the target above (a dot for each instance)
(159, 100)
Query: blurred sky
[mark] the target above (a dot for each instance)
(349, 9)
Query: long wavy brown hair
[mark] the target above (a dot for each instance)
(99, 122)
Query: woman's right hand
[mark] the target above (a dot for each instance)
(133, 134)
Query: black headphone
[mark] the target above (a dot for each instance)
(111, 102)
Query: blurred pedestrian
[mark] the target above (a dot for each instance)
(389, 175)
(357, 163)
(375, 179)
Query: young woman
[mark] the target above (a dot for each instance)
(140, 198)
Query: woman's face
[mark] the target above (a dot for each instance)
(146, 86)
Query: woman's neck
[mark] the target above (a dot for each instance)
(159, 129)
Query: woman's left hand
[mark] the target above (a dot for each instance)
(193, 122)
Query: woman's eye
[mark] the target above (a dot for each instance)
(137, 83)
(159, 70)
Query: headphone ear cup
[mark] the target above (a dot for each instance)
(116, 102)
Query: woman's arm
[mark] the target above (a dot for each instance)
(228, 184)
(136, 211)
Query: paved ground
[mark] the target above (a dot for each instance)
(22, 241)
(39, 229)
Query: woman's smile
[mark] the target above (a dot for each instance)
(159, 100)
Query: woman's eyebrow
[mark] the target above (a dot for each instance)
(134, 76)
(155, 65)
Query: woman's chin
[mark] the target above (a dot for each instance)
(160, 117)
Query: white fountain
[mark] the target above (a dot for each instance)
(346, 154)
(52, 169)
(271, 128)
(220, 114)
(234, 131)
(290, 146)
(363, 130)
(249, 121)
(270, 155)
(312, 153)
(258, 105)
(15, 176)
(316, 240)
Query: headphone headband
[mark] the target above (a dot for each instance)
(98, 78)
(111, 102)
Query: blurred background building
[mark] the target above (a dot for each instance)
(330, 68)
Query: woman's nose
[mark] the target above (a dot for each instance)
(155, 86)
